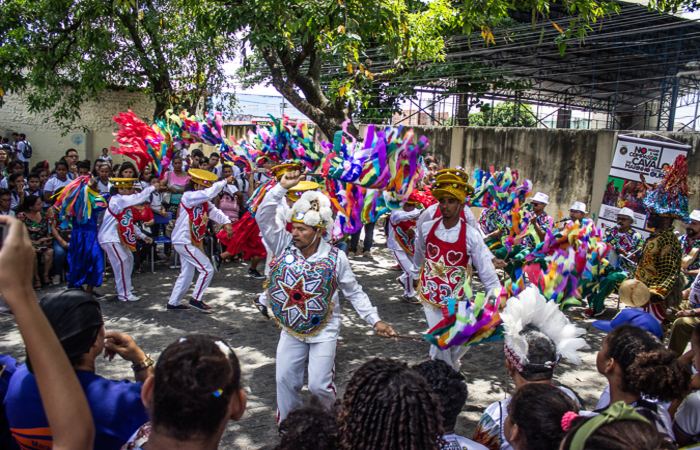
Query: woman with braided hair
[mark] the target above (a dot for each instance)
(637, 367)
(193, 394)
(388, 406)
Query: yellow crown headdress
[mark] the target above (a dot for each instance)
(203, 177)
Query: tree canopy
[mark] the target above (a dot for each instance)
(504, 115)
(61, 54)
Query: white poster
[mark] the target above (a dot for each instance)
(634, 156)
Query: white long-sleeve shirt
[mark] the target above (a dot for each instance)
(277, 238)
(395, 218)
(479, 254)
(109, 234)
(190, 199)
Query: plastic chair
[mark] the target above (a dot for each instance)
(156, 241)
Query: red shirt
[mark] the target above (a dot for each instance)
(142, 215)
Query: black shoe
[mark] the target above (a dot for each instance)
(255, 274)
(97, 294)
(178, 307)
(200, 305)
(216, 259)
(262, 308)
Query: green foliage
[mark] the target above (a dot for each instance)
(61, 53)
(503, 115)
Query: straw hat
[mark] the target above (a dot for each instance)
(634, 293)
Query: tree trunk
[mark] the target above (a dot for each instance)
(463, 110)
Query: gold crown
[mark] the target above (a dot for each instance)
(297, 191)
(203, 177)
(459, 174)
(124, 182)
(279, 170)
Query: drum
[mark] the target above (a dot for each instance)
(613, 258)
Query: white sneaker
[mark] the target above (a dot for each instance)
(133, 298)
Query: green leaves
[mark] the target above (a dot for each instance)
(64, 53)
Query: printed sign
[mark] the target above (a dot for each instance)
(634, 156)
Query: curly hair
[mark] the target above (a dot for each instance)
(388, 406)
(619, 435)
(537, 410)
(195, 378)
(647, 366)
(448, 385)
(311, 427)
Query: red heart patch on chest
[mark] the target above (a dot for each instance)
(433, 251)
(454, 258)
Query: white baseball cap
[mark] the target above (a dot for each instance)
(695, 215)
(541, 197)
(629, 213)
(579, 206)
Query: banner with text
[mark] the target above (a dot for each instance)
(634, 156)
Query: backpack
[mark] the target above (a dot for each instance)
(27, 152)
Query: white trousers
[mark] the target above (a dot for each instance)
(406, 280)
(291, 356)
(191, 259)
(453, 354)
(122, 261)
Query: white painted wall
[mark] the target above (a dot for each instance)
(47, 139)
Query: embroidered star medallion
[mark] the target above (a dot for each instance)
(298, 296)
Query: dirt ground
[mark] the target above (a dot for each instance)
(254, 339)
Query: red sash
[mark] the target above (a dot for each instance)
(444, 267)
(125, 228)
(199, 217)
(401, 235)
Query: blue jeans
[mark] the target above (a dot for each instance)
(59, 258)
(342, 246)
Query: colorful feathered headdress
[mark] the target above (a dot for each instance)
(670, 197)
(529, 307)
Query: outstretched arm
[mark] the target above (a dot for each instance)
(119, 204)
(194, 198)
(275, 235)
(64, 402)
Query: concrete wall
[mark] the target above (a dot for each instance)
(90, 134)
(569, 165)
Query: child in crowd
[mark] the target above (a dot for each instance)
(450, 387)
(83, 168)
(16, 166)
(619, 427)
(635, 361)
(538, 327)
(103, 174)
(535, 416)
(34, 185)
(58, 180)
(312, 427)
(686, 423)
(191, 226)
(16, 186)
(118, 234)
(105, 156)
(195, 391)
(389, 406)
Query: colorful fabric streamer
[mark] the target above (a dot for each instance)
(78, 201)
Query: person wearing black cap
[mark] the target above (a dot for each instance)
(117, 408)
(66, 408)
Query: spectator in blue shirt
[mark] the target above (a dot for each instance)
(116, 406)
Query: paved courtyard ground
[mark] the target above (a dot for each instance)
(235, 319)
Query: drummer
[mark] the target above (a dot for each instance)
(626, 244)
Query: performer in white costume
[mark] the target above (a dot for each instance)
(118, 235)
(305, 276)
(400, 240)
(195, 211)
(445, 250)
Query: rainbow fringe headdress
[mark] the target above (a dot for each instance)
(670, 197)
